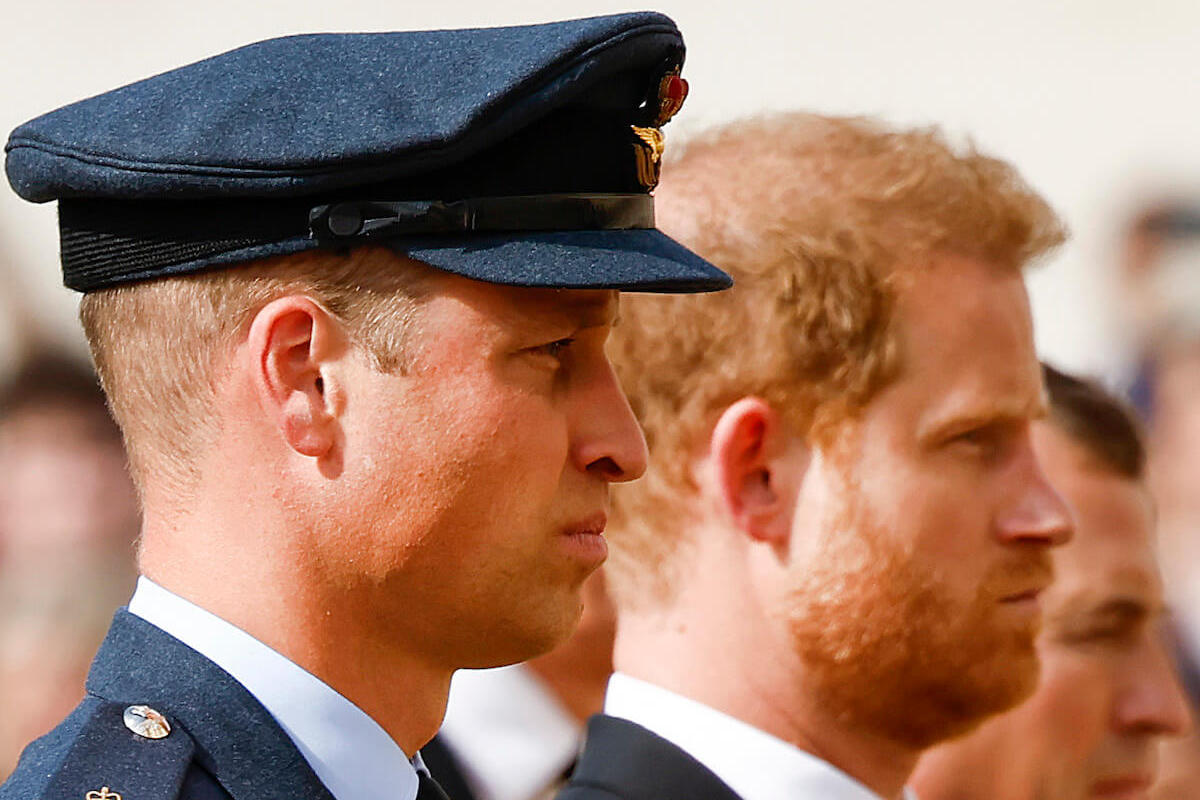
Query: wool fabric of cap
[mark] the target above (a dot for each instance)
(509, 155)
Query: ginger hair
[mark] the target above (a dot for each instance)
(814, 217)
(159, 346)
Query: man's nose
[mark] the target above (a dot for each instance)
(606, 439)
(1037, 515)
(1151, 701)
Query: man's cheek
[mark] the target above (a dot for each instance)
(1071, 704)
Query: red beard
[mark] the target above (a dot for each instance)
(891, 651)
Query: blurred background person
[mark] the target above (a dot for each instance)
(1160, 275)
(1107, 694)
(65, 489)
(513, 733)
(68, 519)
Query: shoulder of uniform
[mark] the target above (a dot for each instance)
(105, 751)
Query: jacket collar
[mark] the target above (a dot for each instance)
(629, 760)
(236, 739)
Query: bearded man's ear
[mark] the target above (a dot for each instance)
(754, 487)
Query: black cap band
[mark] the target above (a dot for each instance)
(109, 242)
(551, 212)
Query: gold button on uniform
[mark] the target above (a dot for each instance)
(146, 722)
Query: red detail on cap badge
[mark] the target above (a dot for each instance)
(649, 141)
(672, 91)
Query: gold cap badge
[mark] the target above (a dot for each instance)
(649, 142)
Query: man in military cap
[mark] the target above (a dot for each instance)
(349, 296)
(834, 559)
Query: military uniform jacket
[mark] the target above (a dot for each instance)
(222, 743)
(623, 761)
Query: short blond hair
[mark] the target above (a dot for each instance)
(812, 216)
(158, 345)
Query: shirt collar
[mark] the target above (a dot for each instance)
(755, 764)
(513, 737)
(351, 754)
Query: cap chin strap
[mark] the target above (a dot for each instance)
(367, 219)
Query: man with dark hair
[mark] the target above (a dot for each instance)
(1107, 694)
(65, 484)
(348, 295)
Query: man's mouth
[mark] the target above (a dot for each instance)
(591, 525)
(585, 540)
(1028, 596)
(1023, 585)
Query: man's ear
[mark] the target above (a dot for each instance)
(292, 341)
(754, 487)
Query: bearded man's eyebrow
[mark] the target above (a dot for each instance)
(954, 422)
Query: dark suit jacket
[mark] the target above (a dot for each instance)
(223, 744)
(446, 769)
(624, 761)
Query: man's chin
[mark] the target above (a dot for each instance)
(999, 681)
(946, 693)
(529, 637)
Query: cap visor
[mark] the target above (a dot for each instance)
(631, 260)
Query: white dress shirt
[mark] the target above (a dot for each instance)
(349, 752)
(509, 733)
(755, 764)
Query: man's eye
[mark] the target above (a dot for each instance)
(982, 439)
(1099, 635)
(556, 348)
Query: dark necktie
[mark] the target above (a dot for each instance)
(428, 789)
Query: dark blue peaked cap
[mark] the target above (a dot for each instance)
(507, 155)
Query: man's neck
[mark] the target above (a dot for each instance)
(772, 700)
(878, 763)
(280, 605)
(577, 677)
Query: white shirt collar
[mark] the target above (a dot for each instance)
(350, 753)
(511, 735)
(755, 764)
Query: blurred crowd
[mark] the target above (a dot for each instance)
(69, 526)
(1159, 278)
(68, 522)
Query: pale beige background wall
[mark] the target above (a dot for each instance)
(1097, 100)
